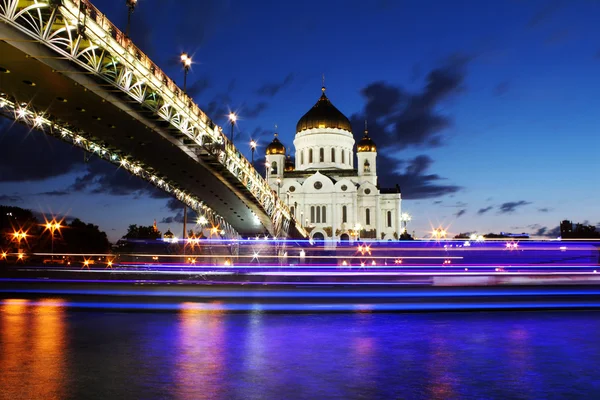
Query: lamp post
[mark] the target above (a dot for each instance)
(253, 145)
(405, 217)
(232, 119)
(186, 61)
(52, 226)
(131, 6)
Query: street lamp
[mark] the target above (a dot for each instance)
(232, 119)
(405, 217)
(131, 6)
(52, 226)
(253, 145)
(186, 61)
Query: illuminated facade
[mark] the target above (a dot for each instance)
(326, 192)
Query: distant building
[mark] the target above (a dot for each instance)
(327, 194)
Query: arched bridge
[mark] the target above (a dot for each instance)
(66, 70)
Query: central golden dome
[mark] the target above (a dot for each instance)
(323, 115)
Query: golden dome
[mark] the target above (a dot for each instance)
(366, 144)
(323, 115)
(275, 147)
(289, 164)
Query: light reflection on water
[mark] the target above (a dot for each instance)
(48, 350)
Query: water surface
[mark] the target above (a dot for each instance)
(48, 350)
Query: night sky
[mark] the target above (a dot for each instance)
(484, 112)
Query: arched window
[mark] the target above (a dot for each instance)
(302, 157)
(323, 214)
(312, 214)
(344, 213)
(389, 219)
(321, 155)
(274, 167)
(310, 156)
(332, 154)
(292, 211)
(350, 161)
(318, 215)
(367, 166)
(343, 157)
(367, 217)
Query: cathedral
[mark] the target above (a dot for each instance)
(327, 194)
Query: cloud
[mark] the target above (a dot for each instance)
(176, 206)
(545, 13)
(544, 231)
(10, 198)
(271, 89)
(482, 211)
(413, 178)
(544, 210)
(34, 156)
(399, 119)
(458, 204)
(501, 88)
(198, 87)
(253, 111)
(102, 177)
(56, 193)
(511, 206)
(460, 213)
(437, 202)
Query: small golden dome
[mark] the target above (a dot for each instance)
(323, 115)
(289, 164)
(366, 144)
(275, 147)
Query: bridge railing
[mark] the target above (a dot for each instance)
(87, 37)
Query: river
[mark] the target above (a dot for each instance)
(49, 350)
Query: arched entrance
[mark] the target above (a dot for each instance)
(344, 237)
(318, 237)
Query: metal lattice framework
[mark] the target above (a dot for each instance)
(26, 115)
(77, 31)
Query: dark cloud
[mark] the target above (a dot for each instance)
(460, 213)
(458, 204)
(482, 211)
(511, 206)
(413, 178)
(33, 156)
(102, 177)
(437, 202)
(501, 88)
(544, 231)
(545, 13)
(198, 87)
(56, 193)
(271, 89)
(558, 37)
(174, 205)
(253, 111)
(400, 119)
(10, 198)
(544, 210)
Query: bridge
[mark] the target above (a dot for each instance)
(67, 71)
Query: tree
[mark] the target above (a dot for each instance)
(142, 232)
(16, 219)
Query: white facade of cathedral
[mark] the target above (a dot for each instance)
(327, 194)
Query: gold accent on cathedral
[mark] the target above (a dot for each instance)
(323, 115)
(366, 144)
(275, 147)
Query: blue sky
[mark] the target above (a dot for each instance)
(502, 134)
